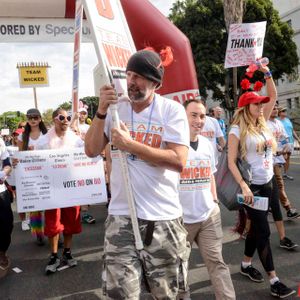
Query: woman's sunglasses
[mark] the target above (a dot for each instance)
(61, 118)
(35, 118)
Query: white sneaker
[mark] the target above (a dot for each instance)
(25, 225)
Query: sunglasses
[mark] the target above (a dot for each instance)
(35, 118)
(61, 118)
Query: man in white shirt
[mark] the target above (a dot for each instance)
(154, 134)
(198, 196)
(213, 132)
(283, 147)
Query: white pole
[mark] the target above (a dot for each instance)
(91, 13)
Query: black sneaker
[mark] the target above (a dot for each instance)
(292, 214)
(53, 264)
(69, 259)
(88, 219)
(286, 243)
(280, 290)
(252, 273)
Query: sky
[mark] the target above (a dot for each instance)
(60, 57)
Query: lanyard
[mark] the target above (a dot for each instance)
(149, 122)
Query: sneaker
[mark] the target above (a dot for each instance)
(287, 244)
(4, 264)
(88, 219)
(280, 290)
(292, 214)
(286, 176)
(25, 225)
(69, 259)
(53, 264)
(252, 273)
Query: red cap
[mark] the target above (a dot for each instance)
(252, 97)
(18, 131)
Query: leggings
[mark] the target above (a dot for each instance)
(274, 201)
(258, 236)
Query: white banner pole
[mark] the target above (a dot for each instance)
(102, 59)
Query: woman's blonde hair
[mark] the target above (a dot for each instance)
(242, 118)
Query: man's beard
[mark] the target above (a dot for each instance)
(135, 94)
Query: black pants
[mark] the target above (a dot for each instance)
(6, 221)
(274, 201)
(258, 236)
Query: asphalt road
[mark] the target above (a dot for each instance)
(84, 281)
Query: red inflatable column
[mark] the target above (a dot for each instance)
(149, 27)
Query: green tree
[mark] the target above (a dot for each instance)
(66, 105)
(203, 23)
(11, 119)
(47, 117)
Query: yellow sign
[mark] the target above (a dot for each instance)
(32, 76)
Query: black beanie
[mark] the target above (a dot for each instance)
(148, 64)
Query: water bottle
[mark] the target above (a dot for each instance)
(264, 61)
(256, 65)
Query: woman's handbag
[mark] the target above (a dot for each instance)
(227, 187)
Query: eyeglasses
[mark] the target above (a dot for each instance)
(61, 118)
(35, 118)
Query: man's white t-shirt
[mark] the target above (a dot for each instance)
(155, 188)
(212, 130)
(3, 155)
(261, 161)
(280, 135)
(195, 183)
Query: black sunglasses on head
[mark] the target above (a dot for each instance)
(35, 118)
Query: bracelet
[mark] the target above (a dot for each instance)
(268, 75)
(100, 116)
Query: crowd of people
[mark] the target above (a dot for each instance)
(175, 162)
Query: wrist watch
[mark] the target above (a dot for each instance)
(100, 116)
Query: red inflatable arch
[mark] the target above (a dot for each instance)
(149, 27)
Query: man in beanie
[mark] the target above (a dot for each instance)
(155, 135)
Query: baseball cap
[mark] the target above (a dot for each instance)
(18, 131)
(281, 109)
(252, 98)
(33, 112)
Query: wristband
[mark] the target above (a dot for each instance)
(100, 116)
(268, 75)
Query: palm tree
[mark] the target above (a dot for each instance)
(233, 14)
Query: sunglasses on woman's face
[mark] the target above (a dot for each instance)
(34, 118)
(61, 118)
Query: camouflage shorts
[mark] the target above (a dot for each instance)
(162, 264)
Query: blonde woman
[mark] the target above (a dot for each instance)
(250, 139)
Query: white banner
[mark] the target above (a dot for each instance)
(112, 39)
(245, 44)
(13, 30)
(47, 179)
